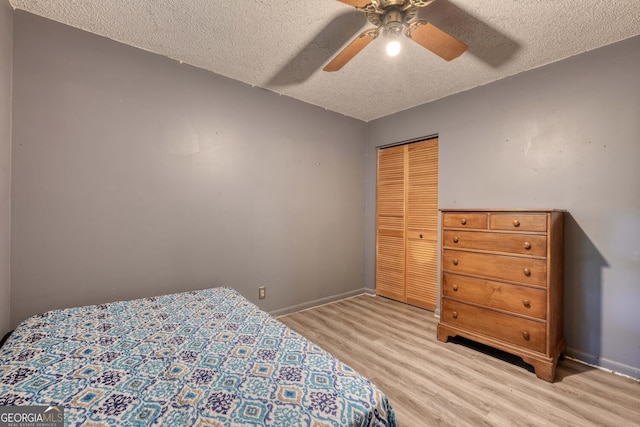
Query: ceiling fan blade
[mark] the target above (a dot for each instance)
(437, 41)
(356, 3)
(351, 50)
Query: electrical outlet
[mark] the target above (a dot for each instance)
(262, 292)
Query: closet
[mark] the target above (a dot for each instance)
(407, 223)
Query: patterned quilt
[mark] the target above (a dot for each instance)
(205, 358)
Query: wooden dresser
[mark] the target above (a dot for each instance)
(502, 282)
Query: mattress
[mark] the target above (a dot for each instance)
(207, 357)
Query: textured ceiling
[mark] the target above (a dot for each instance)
(282, 45)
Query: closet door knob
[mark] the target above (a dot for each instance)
(454, 314)
(527, 272)
(526, 336)
(455, 261)
(527, 245)
(463, 221)
(516, 223)
(455, 239)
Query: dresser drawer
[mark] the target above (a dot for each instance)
(515, 330)
(513, 269)
(524, 244)
(513, 298)
(464, 220)
(518, 222)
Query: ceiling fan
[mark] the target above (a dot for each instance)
(393, 18)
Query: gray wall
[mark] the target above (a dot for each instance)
(6, 55)
(135, 175)
(563, 136)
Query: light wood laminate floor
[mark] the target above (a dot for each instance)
(430, 383)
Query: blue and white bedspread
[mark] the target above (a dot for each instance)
(200, 358)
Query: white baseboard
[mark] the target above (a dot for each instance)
(603, 363)
(319, 302)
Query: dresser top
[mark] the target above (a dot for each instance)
(500, 210)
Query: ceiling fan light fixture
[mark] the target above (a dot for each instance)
(393, 48)
(392, 30)
(392, 25)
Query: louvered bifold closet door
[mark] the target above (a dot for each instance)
(390, 244)
(422, 224)
(407, 223)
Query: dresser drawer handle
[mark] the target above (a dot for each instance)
(526, 336)
(526, 303)
(454, 314)
(455, 261)
(527, 245)
(516, 223)
(463, 221)
(421, 236)
(455, 239)
(455, 288)
(527, 272)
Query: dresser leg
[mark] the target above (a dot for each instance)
(544, 370)
(444, 333)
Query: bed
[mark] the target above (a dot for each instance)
(206, 357)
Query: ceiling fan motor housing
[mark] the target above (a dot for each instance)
(421, 3)
(392, 16)
(384, 4)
